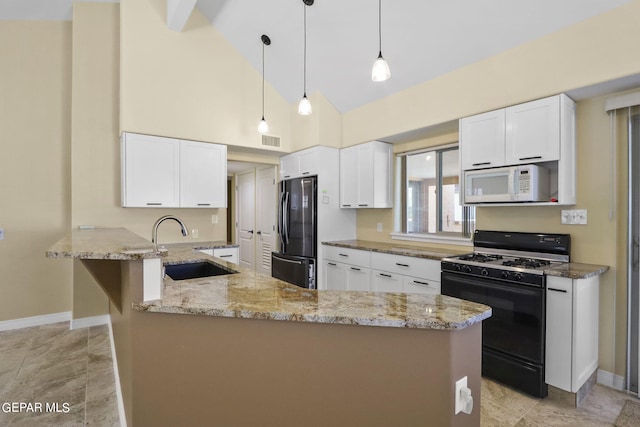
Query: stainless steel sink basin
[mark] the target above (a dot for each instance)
(194, 270)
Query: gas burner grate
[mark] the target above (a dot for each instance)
(526, 263)
(480, 257)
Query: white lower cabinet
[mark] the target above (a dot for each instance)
(413, 285)
(334, 275)
(572, 331)
(358, 278)
(350, 269)
(227, 254)
(383, 281)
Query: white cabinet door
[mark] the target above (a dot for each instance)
(301, 163)
(482, 140)
(414, 285)
(365, 175)
(559, 332)
(358, 278)
(383, 281)
(289, 166)
(307, 162)
(334, 276)
(349, 177)
(533, 131)
(150, 171)
(227, 254)
(203, 175)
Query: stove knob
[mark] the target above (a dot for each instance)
(504, 274)
(484, 272)
(518, 276)
(458, 267)
(468, 268)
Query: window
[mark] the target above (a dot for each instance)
(430, 191)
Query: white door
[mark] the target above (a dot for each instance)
(246, 188)
(266, 212)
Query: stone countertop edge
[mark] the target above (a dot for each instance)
(571, 270)
(116, 244)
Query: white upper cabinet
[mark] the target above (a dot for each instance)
(203, 175)
(533, 131)
(150, 171)
(300, 163)
(365, 175)
(167, 172)
(482, 140)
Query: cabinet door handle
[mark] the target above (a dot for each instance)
(420, 283)
(204, 204)
(287, 176)
(365, 205)
(557, 290)
(346, 206)
(154, 204)
(332, 263)
(355, 269)
(225, 256)
(344, 255)
(481, 164)
(530, 158)
(402, 265)
(384, 275)
(306, 173)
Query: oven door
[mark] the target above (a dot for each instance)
(517, 323)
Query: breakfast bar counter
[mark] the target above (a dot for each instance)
(247, 349)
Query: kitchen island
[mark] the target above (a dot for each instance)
(247, 349)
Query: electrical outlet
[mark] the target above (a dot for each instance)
(460, 384)
(379, 227)
(576, 216)
(194, 233)
(214, 219)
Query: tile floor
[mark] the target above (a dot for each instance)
(52, 364)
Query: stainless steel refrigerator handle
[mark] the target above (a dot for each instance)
(280, 222)
(288, 260)
(286, 217)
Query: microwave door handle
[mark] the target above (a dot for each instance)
(515, 191)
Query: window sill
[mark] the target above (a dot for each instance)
(428, 238)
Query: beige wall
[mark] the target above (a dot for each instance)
(596, 50)
(35, 80)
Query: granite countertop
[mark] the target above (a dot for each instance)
(571, 270)
(247, 294)
(116, 244)
(398, 249)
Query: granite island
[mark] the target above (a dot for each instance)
(246, 349)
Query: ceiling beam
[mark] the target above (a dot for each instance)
(178, 13)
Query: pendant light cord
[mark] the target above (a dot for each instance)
(263, 80)
(304, 67)
(380, 27)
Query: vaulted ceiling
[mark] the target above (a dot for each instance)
(421, 39)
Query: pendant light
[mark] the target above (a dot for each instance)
(304, 107)
(263, 127)
(380, 71)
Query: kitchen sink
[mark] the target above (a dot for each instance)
(194, 270)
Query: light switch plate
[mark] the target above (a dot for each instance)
(572, 217)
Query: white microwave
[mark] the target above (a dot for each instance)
(523, 183)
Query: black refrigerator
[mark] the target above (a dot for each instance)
(297, 227)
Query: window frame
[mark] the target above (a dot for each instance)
(446, 237)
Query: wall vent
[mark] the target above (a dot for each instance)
(271, 141)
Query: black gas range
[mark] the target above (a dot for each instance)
(506, 272)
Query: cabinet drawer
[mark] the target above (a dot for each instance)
(413, 285)
(383, 281)
(227, 254)
(348, 256)
(420, 268)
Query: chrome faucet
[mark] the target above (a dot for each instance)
(154, 233)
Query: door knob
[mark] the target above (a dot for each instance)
(250, 231)
(259, 232)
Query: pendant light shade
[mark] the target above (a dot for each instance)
(380, 71)
(263, 127)
(304, 107)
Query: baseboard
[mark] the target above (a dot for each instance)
(27, 322)
(86, 322)
(116, 374)
(610, 379)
